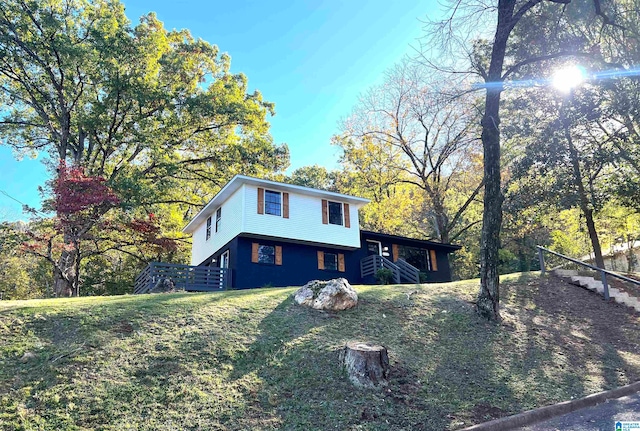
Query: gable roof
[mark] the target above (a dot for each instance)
(240, 180)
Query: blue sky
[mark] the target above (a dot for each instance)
(311, 58)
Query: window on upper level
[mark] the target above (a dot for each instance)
(218, 218)
(272, 203)
(208, 232)
(335, 213)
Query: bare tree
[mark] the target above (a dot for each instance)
(436, 136)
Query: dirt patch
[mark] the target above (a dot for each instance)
(403, 385)
(484, 412)
(592, 320)
(123, 327)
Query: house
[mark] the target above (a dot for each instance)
(266, 233)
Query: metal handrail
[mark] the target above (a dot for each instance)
(602, 271)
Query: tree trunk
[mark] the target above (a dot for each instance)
(489, 297)
(367, 365)
(65, 282)
(631, 258)
(582, 196)
(441, 221)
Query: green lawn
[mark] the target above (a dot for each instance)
(243, 360)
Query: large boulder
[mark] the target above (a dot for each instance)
(333, 295)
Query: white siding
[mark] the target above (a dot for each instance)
(304, 222)
(230, 226)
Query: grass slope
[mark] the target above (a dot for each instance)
(253, 360)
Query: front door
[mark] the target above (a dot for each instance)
(374, 247)
(224, 264)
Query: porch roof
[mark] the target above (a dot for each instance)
(403, 240)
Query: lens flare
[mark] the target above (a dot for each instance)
(568, 78)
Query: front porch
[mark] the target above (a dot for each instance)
(182, 277)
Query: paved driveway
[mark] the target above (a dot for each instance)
(598, 418)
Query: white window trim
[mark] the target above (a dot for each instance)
(224, 258)
(207, 229)
(379, 246)
(218, 220)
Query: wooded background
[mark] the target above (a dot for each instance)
(143, 125)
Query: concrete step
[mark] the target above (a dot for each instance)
(633, 303)
(564, 272)
(615, 294)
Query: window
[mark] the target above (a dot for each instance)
(208, 227)
(218, 217)
(335, 213)
(267, 254)
(272, 203)
(331, 261)
(424, 260)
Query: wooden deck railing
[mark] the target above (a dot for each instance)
(408, 271)
(371, 264)
(183, 277)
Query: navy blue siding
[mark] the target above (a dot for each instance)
(300, 263)
(232, 247)
(443, 274)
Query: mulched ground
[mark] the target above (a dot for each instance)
(606, 322)
(557, 295)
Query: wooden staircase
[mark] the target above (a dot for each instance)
(402, 271)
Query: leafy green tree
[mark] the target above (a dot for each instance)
(22, 276)
(370, 170)
(497, 59)
(155, 113)
(314, 176)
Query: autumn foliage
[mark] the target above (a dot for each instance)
(87, 223)
(75, 192)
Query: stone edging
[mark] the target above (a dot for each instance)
(543, 413)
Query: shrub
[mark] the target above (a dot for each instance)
(424, 278)
(384, 276)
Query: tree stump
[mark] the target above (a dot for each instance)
(367, 365)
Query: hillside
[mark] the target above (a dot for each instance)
(253, 360)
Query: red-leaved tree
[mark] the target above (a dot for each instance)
(82, 204)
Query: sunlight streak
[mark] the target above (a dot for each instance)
(530, 83)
